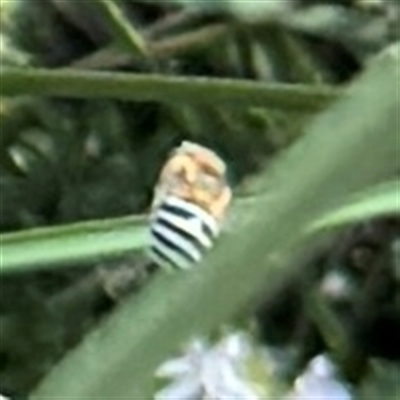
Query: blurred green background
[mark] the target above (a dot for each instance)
(65, 160)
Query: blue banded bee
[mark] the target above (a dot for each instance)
(189, 205)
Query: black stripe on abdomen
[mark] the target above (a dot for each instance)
(186, 214)
(170, 246)
(184, 234)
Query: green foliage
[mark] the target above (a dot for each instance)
(123, 30)
(74, 244)
(263, 249)
(94, 241)
(382, 200)
(111, 87)
(77, 84)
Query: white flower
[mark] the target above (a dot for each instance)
(318, 382)
(205, 372)
(336, 286)
(3, 397)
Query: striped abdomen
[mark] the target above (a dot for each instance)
(180, 233)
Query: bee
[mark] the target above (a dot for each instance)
(190, 202)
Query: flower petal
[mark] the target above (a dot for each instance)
(319, 382)
(321, 366)
(184, 389)
(235, 345)
(173, 368)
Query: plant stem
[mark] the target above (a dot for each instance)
(152, 87)
(112, 57)
(122, 29)
(44, 248)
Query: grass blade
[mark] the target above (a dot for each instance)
(145, 87)
(119, 358)
(121, 27)
(73, 244)
(382, 200)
